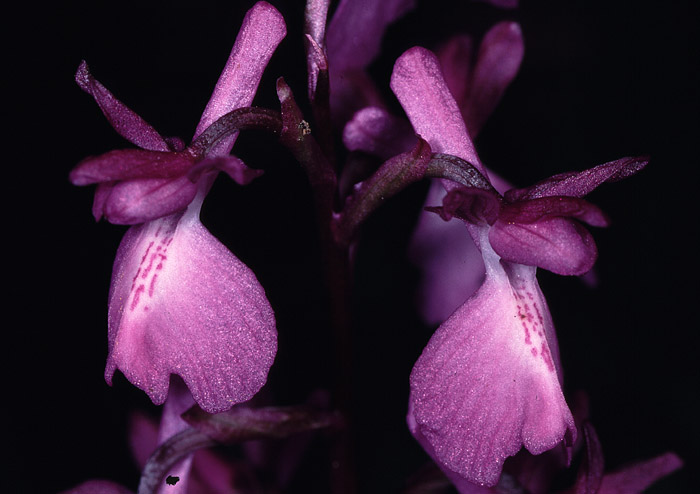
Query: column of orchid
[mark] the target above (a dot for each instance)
(190, 325)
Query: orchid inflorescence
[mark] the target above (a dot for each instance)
(486, 399)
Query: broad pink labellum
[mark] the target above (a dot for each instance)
(488, 381)
(182, 304)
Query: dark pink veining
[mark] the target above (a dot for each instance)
(152, 262)
(532, 323)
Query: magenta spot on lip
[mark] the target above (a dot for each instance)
(137, 296)
(547, 357)
(533, 350)
(152, 285)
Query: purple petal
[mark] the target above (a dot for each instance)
(353, 40)
(461, 484)
(635, 478)
(124, 164)
(451, 266)
(262, 30)
(534, 210)
(127, 123)
(102, 193)
(559, 245)
(580, 184)
(182, 304)
(592, 467)
(500, 54)
(376, 131)
(420, 87)
(138, 201)
(231, 165)
(98, 487)
(456, 61)
(487, 383)
(356, 29)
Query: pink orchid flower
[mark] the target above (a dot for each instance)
(450, 264)
(180, 302)
(489, 381)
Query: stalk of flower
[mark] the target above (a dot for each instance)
(489, 380)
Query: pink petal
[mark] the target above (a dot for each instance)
(559, 245)
(534, 210)
(376, 131)
(462, 485)
(126, 122)
(635, 478)
(487, 383)
(98, 487)
(353, 40)
(580, 184)
(124, 164)
(355, 32)
(137, 201)
(451, 266)
(182, 304)
(420, 87)
(500, 54)
(262, 30)
(456, 61)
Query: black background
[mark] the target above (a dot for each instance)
(600, 80)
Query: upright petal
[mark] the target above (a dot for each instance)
(500, 54)
(356, 29)
(488, 381)
(353, 40)
(125, 121)
(262, 30)
(182, 304)
(419, 85)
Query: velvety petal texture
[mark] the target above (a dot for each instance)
(580, 184)
(182, 304)
(488, 381)
(478, 89)
(420, 87)
(353, 40)
(375, 131)
(556, 244)
(137, 201)
(262, 30)
(125, 121)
